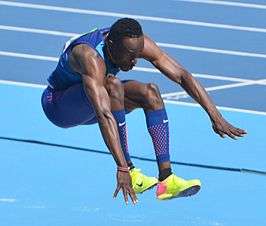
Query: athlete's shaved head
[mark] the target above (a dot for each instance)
(125, 28)
(125, 43)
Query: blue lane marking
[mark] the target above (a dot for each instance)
(174, 9)
(42, 180)
(55, 187)
(185, 123)
(183, 34)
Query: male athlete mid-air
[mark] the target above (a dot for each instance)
(83, 90)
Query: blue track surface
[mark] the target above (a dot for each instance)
(58, 186)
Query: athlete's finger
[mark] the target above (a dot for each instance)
(223, 135)
(116, 191)
(230, 134)
(241, 131)
(125, 192)
(133, 196)
(237, 132)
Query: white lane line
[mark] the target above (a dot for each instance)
(176, 95)
(37, 31)
(31, 85)
(28, 56)
(215, 77)
(223, 78)
(35, 207)
(183, 94)
(226, 3)
(161, 44)
(211, 50)
(142, 69)
(24, 84)
(138, 17)
(219, 107)
(8, 199)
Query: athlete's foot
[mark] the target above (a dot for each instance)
(140, 182)
(175, 187)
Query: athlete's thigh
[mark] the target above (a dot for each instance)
(134, 94)
(68, 107)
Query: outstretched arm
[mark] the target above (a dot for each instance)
(86, 62)
(174, 71)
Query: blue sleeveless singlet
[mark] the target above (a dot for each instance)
(63, 76)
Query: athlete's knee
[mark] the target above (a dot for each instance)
(114, 86)
(115, 91)
(153, 95)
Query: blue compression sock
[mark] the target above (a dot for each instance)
(120, 119)
(157, 123)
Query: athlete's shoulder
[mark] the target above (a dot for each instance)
(83, 58)
(82, 50)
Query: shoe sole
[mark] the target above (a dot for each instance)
(189, 192)
(186, 193)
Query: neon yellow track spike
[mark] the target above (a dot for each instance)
(175, 187)
(140, 182)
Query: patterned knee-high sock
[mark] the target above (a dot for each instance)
(157, 123)
(120, 119)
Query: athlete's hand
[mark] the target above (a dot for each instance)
(223, 128)
(124, 182)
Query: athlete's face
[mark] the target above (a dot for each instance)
(126, 52)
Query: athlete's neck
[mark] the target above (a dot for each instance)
(107, 53)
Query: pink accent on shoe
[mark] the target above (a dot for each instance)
(161, 188)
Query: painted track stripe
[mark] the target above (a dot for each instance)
(214, 167)
(183, 94)
(37, 31)
(226, 3)
(138, 17)
(24, 84)
(8, 200)
(219, 107)
(215, 77)
(28, 56)
(211, 50)
(39, 86)
(142, 69)
(166, 45)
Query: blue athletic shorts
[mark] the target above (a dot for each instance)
(69, 107)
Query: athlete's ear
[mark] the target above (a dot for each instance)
(110, 42)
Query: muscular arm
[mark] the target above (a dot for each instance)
(174, 71)
(87, 62)
(100, 100)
